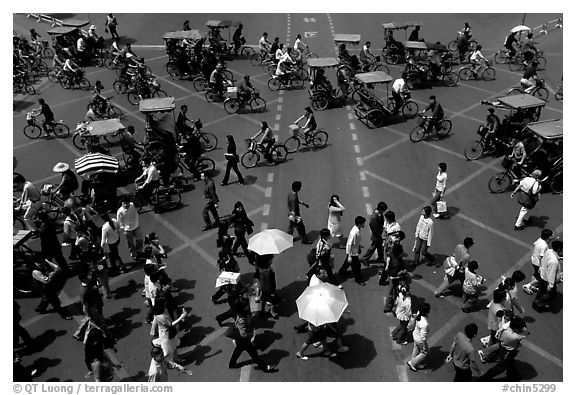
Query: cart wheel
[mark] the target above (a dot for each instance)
(79, 141)
(200, 84)
(110, 64)
(541, 93)
(296, 83)
(474, 150)
(452, 46)
(231, 106)
(559, 95)
(159, 93)
(302, 73)
(274, 84)
(501, 57)
(256, 60)
(500, 182)
(32, 131)
(466, 74)
(119, 87)
(319, 102)
(258, 104)
(173, 71)
(47, 53)
(417, 134)
(250, 159)
(445, 127)
(514, 91)
(320, 139)
(556, 182)
(42, 67)
(52, 75)
(206, 164)
(65, 82)
(61, 130)
(208, 141)
(167, 198)
(410, 109)
(29, 89)
(211, 96)
(246, 52)
(292, 144)
(375, 118)
(18, 225)
(393, 58)
(279, 153)
(382, 67)
(489, 74)
(134, 98)
(450, 79)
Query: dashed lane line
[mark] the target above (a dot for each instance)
(402, 373)
(365, 192)
(270, 177)
(369, 208)
(354, 137)
(359, 161)
(356, 148)
(263, 226)
(384, 149)
(266, 210)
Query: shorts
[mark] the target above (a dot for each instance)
(316, 336)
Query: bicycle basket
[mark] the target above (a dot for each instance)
(407, 95)
(293, 130)
(507, 163)
(482, 130)
(232, 92)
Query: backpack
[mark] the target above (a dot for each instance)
(470, 284)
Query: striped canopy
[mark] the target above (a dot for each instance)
(96, 163)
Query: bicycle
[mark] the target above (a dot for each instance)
(234, 102)
(251, 158)
(318, 138)
(452, 45)
(19, 85)
(137, 93)
(289, 80)
(477, 148)
(486, 72)
(306, 54)
(519, 63)
(539, 90)
(502, 181)
(409, 108)
(34, 128)
(424, 128)
(559, 94)
(68, 81)
(258, 58)
(203, 164)
(163, 198)
(111, 110)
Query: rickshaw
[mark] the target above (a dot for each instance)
(88, 134)
(348, 69)
(393, 51)
(372, 110)
(67, 35)
(523, 109)
(228, 45)
(421, 74)
(173, 40)
(320, 97)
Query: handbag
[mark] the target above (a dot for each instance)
(450, 266)
(441, 206)
(528, 200)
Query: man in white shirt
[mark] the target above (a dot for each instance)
(398, 87)
(550, 274)
(353, 251)
(366, 57)
(440, 187)
(128, 220)
(30, 200)
(540, 247)
(477, 59)
(529, 186)
(263, 43)
(423, 237)
(152, 178)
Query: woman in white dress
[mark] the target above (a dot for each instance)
(335, 209)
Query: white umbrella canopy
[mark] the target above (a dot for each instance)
(321, 304)
(270, 241)
(520, 28)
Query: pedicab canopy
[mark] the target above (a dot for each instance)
(437, 47)
(105, 127)
(157, 104)
(523, 100)
(75, 23)
(398, 26)
(323, 62)
(60, 30)
(550, 129)
(415, 45)
(374, 77)
(223, 23)
(183, 35)
(347, 38)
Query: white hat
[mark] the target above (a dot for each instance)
(149, 262)
(92, 27)
(60, 167)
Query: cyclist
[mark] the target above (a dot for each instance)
(58, 60)
(462, 44)
(30, 199)
(217, 80)
(399, 87)
(467, 30)
(81, 50)
(528, 49)
(284, 64)
(344, 55)
(90, 114)
(238, 39)
(268, 139)
(245, 89)
(528, 80)
(299, 46)
(414, 35)
(93, 41)
(493, 124)
(366, 57)
(128, 146)
(263, 44)
(182, 121)
(115, 50)
(34, 36)
(519, 156)
(437, 112)
(68, 182)
(435, 60)
(477, 59)
(321, 83)
(274, 48)
(72, 69)
(509, 44)
(279, 53)
(48, 115)
(97, 98)
(151, 178)
(310, 124)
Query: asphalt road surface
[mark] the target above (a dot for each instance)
(362, 165)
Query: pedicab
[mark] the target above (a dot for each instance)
(522, 109)
(88, 134)
(175, 68)
(393, 51)
(161, 131)
(372, 110)
(419, 75)
(227, 46)
(350, 64)
(321, 93)
(99, 172)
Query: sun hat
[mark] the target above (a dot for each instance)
(61, 167)
(536, 173)
(92, 27)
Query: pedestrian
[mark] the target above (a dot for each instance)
(494, 317)
(242, 226)
(98, 363)
(46, 273)
(159, 365)
(169, 345)
(112, 26)
(232, 160)
(210, 203)
(92, 306)
(269, 295)
(324, 258)
(403, 311)
(376, 225)
(462, 354)
(149, 269)
(50, 247)
(19, 332)
(226, 263)
(129, 221)
(528, 194)
(31, 200)
(391, 232)
(509, 347)
(353, 247)
(153, 249)
(550, 275)
(508, 285)
(162, 320)
(111, 238)
(71, 221)
(87, 216)
(490, 353)
(454, 266)
(233, 293)
(470, 286)
(423, 237)
(540, 247)
(396, 269)
(335, 211)
(420, 335)
(243, 334)
(440, 188)
(294, 217)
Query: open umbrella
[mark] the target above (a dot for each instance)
(96, 163)
(270, 241)
(520, 28)
(321, 304)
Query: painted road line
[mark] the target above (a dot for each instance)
(212, 232)
(349, 108)
(350, 116)
(263, 226)
(270, 177)
(359, 161)
(384, 149)
(354, 137)
(279, 108)
(362, 175)
(369, 208)
(268, 192)
(470, 177)
(402, 373)
(278, 116)
(276, 126)
(397, 186)
(352, 126)
(27, 144)
(495, 231)
(446, 328)
(155, 46)
(365, 192)
(280, 99)
(266, 210)
(357, 148)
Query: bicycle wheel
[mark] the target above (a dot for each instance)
(465, 74)
(159, 93)
(231, 106)
(559, 95)
(392, 58)
(301, 73)
(250, 159)
(279, 153)
(541, 93)
(515, 65)
(79, 141)
(211, 96)
(84, 84)
(134, 98)
(113, 139)
(274, 84)
(256, 59)
(208, 141)
(556, 182)
(474, 150)
(417, 134)
(271, 69)
(514, 91)
(32, 131)
(167, 199)
(375, 118)
(488, 74)
(52, 75)
(450, 79)
(410, 109)
(114, 112)
(320, 139)
(228, 75)
(246, 52)
(292, 144)
(205, 164)
(47, 53)
(65, 82)
(452, 46)
(296, 83)
(52, 210)
(445, 127)
(120, 87)
(61, 130)
(500, 182)
(42, 67)
(319, 102)
(110, 64)
(200, 84)
(29, 89)
(541, 63)
(501, 57)
(18, 224)
(382, 67)
(257, 104)
(173, 71)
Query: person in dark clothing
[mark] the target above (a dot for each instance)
(186, 25)
(462, 45)
(238, 39)
(395, 270)
(437, 112)
(234, 292)
(181, 121)
(68, 183)
(269, 296)
(46, 274)
(376, 224)
(48, 115)
(50, 246)
(323, 252)
(19, 332)
(210, 204)
(509, 44)
(242, 225)
(226, 263)
(414, 34)
(193, 150)
(294, 213)
(232, 160)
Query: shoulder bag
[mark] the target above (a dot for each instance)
(528, 200)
